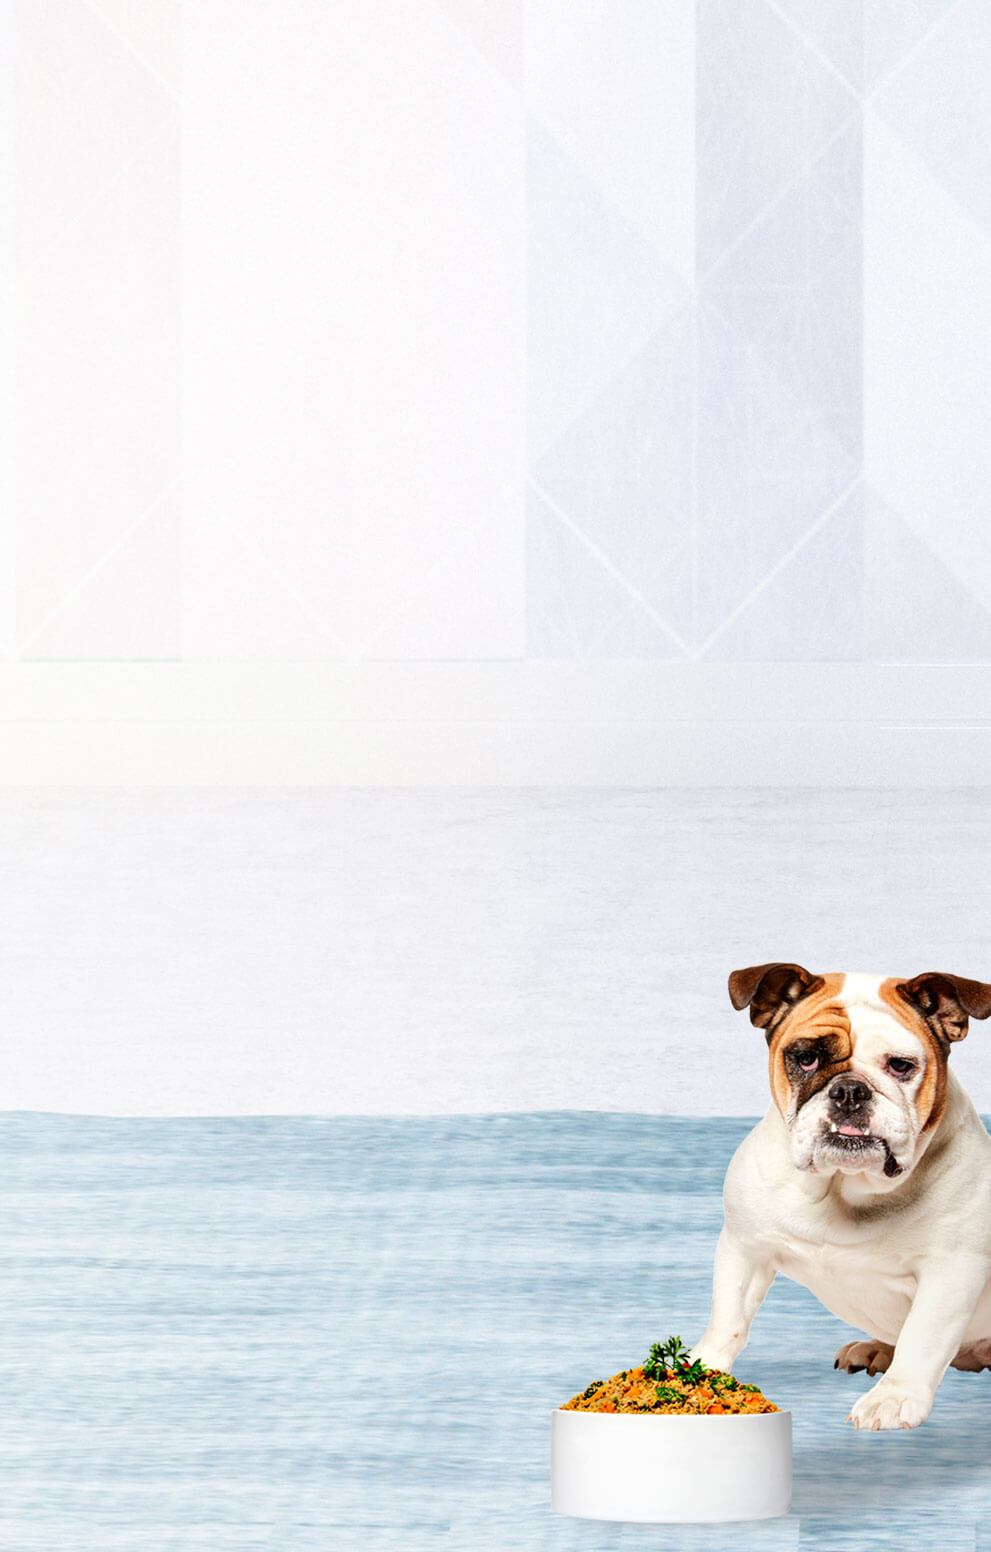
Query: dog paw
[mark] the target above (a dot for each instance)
(875, 1357)
(890, 1404)
(714, 1357)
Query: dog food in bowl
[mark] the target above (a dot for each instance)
(667, 1453)
(668, 1382)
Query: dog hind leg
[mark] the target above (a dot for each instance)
(873, 1356)
(973, 1356)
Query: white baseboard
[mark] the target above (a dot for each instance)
(494, 724)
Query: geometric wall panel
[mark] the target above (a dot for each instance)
(767, 108)
(495, 27)
(624, 472)
(893, 30)
(614, 85)
(706, 449)
(810, 606)
(939, 106)
(96, 341)
(915, 609)
(534, 328)
(356, 276)
(151, 31)
(768, 470)
(597, 290)
(128, 605)
(243, 602)
(579, 604)
(927, 368)
(748, 537)
(835, 31)
(793, 287)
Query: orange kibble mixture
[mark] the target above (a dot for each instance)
(630, 1391)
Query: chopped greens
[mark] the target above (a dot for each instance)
(671, 1381)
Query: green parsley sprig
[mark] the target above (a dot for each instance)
(672, 1360)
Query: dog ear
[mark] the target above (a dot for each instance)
(770, 990)
(946, 1001)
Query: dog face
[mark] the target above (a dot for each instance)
(858, 1063)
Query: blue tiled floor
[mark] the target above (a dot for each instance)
(343, 1333)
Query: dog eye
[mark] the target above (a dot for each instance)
(808, 1061)
(901, 1066)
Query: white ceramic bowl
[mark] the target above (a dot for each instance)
(638, 1466)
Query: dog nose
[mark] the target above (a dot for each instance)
(848, 1093)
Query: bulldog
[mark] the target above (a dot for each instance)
(868, 1180)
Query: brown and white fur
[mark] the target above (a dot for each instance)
(868, 1180)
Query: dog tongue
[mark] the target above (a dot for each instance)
(851, 1131)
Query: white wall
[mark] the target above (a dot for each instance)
(495, 724)
(584, 347)
(328, 952)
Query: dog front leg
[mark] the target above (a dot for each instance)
(944, 1302)
(740, 1280)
